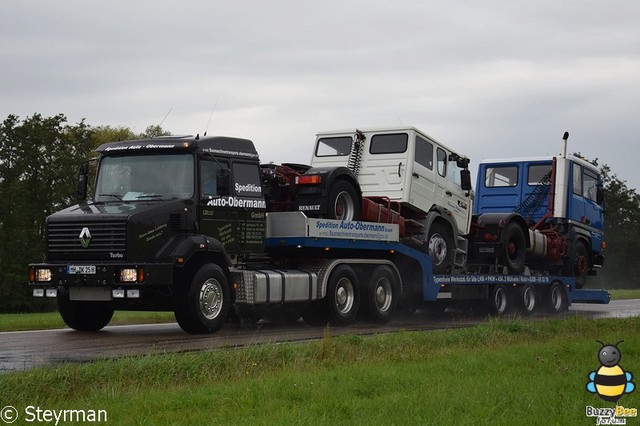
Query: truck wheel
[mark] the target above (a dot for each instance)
(380, 298)
(343, 295)
(556, 299)
(83, 316)
(527, 299)
(204, 306)
(343, 202)
(500, 300)
(514, 248)
(580, 264)
(439, 246)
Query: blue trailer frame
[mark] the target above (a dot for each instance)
(433, 284)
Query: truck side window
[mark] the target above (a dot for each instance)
(536, 173)
(577, 179)
(389, 144)
(505, 176)
(246, 180)
(590, 182)
(334, 147)
(208, 177)
(442, 162)
(424, 153)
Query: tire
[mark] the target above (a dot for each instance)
(527, 299)
(343, 296)
(580, 264)
(343, 202)
(83, 316)
(440, 246)
(500, 300)
(514, 248)
(381, 294)
(556, 300)
(204, 306)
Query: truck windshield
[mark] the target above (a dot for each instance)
(145, 177)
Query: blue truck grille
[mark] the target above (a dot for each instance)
(86, 240)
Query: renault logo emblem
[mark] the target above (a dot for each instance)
(85, 237)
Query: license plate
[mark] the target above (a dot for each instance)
(81, 269)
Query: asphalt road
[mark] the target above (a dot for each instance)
(27, 349)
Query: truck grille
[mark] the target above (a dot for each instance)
(106, 237)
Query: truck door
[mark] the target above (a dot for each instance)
(384, 171)
(454, 197)
(218, 218)
(424, 179)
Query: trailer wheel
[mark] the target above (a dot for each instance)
(556, 299)
(204, 306)
(500, 300)
(343, 202)
(580, 264)
(527, 299)
(440, 247)
(343, 295)
(380, 298)
(83, 316)
(514, 248)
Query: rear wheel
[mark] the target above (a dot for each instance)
(83, 316)
(343, 295)
(440, 247)
(343, 202)
(500, 300)
(380, 296)
(204, 306)
(556, 300)
(527, 299)
(514, 248)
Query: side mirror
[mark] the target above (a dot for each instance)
(83, 179)
(223, 182)
(465, 179)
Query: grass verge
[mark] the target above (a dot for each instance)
(52, 320)
(502, 372)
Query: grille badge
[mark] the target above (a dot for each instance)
(85, 237)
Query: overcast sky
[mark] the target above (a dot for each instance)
(489, 79)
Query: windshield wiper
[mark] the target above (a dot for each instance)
(149, 196)
(118, 196)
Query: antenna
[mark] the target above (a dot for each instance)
(211, 115)
(165, 117)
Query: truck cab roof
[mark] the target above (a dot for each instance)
(218, 145)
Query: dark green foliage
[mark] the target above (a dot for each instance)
(39, 158)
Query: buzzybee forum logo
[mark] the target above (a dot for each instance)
(610, 382)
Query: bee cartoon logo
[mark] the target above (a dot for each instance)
(610, 381)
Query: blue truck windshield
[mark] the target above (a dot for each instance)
(145, 177)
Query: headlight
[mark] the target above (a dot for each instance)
(41, 275)
(128, 275)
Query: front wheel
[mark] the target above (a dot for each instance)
(440, 247)
(514, 248)
(343, 296)
(83, 316)
(580, 264)
(203, 307)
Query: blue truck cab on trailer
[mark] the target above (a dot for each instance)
(560, 202)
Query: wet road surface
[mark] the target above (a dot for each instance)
(23, 350)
